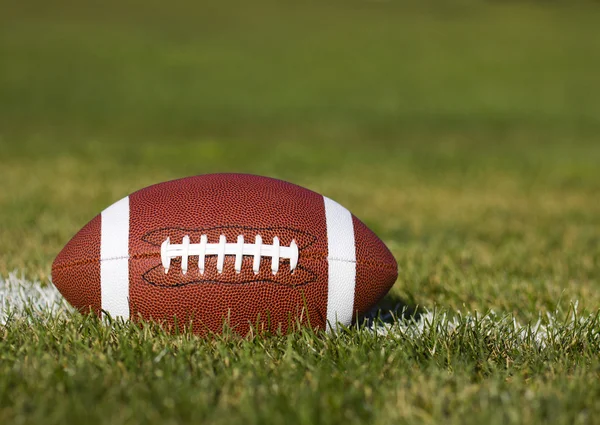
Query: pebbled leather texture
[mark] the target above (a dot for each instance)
(230, 205)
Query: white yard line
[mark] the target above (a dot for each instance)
(548, 329)
(22, 298)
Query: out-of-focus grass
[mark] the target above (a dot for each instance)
(331, 70)
(464, 133)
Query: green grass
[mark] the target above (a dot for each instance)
(465, 133)
(466, 370)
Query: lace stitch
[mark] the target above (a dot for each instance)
(168, 251)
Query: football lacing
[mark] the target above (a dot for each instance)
(168, 251)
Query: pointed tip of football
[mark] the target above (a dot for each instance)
(76, 269)
(376, 268)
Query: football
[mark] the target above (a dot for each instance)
(247, 251)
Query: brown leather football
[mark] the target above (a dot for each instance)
(235, 249)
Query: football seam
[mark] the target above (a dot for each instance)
(373, 264)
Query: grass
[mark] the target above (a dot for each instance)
(464, 133)
(465, 369)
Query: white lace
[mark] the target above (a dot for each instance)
(168, 251)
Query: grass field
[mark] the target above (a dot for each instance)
(465, 133)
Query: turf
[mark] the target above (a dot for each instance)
(464, 133)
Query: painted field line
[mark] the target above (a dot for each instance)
(548, 329)
(20, 297)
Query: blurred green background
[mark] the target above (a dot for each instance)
(465, 133)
